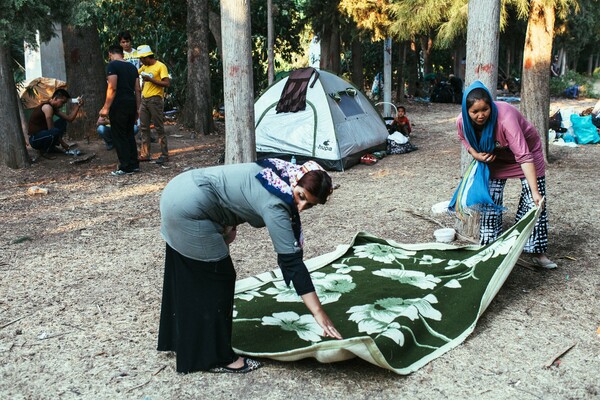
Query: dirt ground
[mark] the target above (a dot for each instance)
(81, 279)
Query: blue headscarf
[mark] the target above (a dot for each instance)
(473, 191)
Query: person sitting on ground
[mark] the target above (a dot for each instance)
(44, 132)
(401, 123)
(103, 130)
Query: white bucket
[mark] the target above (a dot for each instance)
(444, 235)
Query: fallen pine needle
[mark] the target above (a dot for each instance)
(159, 370)
(139, 386)
(12, 322)
(553, 359)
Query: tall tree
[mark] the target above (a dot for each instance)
(537, 56)
(84, 64)
(325, 20)
(483, 43)
(13, 152)
(198, 105)
(270, 43)
(240, 143)
(20, 20)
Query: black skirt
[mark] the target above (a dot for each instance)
(196, 312)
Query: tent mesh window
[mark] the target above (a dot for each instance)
(349, 104)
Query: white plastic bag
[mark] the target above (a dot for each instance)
(398, 138)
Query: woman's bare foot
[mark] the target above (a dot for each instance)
(239, 363)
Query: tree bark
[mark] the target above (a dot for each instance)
(387, 76)
(197, 113)
(270, 43)
(13, 152)
(240, 143)
(86, 76)
(214, 25)
(400, 91)
(412, 66)
(426, 45)
(537, 56)
(483, 43)
(330, 47)
(357, 64)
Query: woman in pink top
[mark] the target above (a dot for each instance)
(513, 150)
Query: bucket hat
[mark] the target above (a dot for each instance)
(144, 51)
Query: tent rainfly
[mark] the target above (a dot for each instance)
(337, 126)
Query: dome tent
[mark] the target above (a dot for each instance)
(338, 125)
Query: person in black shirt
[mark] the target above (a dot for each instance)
(122, 109)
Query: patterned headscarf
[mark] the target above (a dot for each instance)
(280, 178)
(473, 190)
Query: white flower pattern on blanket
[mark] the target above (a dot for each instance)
(305, 325)
(329, 288)
(380, 317)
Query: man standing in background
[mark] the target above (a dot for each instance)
(129, 53)
(155, 78)
(121, 107)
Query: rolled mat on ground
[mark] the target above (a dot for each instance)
(398, 306)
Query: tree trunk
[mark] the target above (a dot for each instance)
(325, 43)
(214, 25)
(483, 43)
(86, 76)
(387, 76)
(270, 43)
(535, 89)
(357, 64)
(336, 50)
(13, 152)
(330, 47)
(400, 91)
(197, 113)
(426, 45)
(240, 143)
(412, 66)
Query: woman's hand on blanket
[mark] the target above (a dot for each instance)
(325, 323)
(313, 304)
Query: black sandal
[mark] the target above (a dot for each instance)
(249, 365)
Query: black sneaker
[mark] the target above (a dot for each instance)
(120, 172)
(161, 160)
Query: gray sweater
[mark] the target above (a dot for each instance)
(196, 206)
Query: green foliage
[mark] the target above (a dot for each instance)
(585, 83)
(156, 23)
(288, 28)
(20, 19)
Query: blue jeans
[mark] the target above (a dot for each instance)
(49, 138)
(104, 132)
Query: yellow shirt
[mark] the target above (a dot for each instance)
(159, 71)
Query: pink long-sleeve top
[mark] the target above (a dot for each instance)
(517, 142)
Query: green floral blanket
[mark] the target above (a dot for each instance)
(398, 306)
